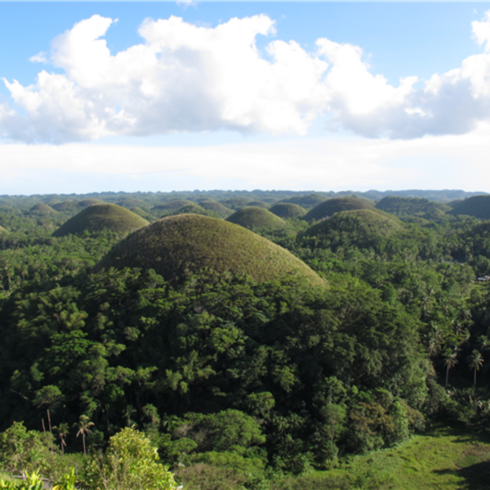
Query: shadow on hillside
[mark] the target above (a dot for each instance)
(476, 476)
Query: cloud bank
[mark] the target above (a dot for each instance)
(188, 78)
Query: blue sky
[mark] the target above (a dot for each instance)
(243, 95)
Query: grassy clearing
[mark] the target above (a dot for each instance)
(444, 458)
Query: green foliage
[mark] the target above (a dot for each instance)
(130, 463)
(405, 207)
(477, 206)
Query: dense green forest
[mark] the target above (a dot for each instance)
(243, 340)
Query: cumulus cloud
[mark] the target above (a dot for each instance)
(183, 77)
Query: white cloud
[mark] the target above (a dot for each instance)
(184, 77)
(39, 58)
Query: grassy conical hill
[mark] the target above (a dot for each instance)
(288, 210)
(361, 227)
(65, 206)
(413, 206)
(336, 205)
(42, 208)
(99, 217)
(216, 207)
(3, 230)
(85, 203)
(308, 202)
(254, 218)
(257, 204)
(172, 205)
(176, 245)
(477, 206)
(191, 208)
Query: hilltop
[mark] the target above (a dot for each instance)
(362, 227)
(255, 218)
(98, 217)
(477, 206)
(288, 210)
(336, 205)
(176, 245)
(413, 206)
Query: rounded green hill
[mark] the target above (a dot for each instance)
(477, 206)
(171, 206)
(85, 203)
(42, 208)
(189, 243)
(254, 218)
(308, 201)
(287, 210)
(362, 227)
(413, 206)
(99, 217)
(216, 207)
(65, 206)
(336, 205)
(257, 204)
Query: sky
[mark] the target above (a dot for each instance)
(162, 96)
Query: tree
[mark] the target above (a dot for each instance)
(130, 463)
(63, 431)
(83, 427)
(475, 362)
(451, 361)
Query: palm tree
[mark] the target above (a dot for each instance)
(83, 427)
(63, 431)
(451, 361)
(475, 362)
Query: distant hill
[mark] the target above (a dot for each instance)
(306, 201)
(171, 206)
(362, 228)
(477, 206)
(413, 206)
(42, 208)
(216, 207)
(65, 206)
(257, 204)
(187, 243)
(287, 210)
(192, 208)
(254, 218)
(332, 206)
(99, 217)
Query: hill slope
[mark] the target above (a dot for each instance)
(99, 217)
(413, 206)
(336, 205)
(477, 206)
(176, 245)
(361, 227)
(255, 218)
(287, 210)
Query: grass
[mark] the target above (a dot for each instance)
(42, 208)
(444, 458)
(177, 245)
(172, 205)
(255, 218)
(332, 206)
(287, 210)
(360, 224)
(99, 217)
